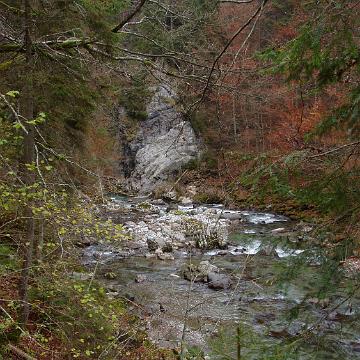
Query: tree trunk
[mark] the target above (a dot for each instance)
(238, 343)
(27, 111)
(39, 241)
(234, 117)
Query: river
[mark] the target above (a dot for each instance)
(268, 314)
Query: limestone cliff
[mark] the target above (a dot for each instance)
(164, 142)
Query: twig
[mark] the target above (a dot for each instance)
(223, 51)
(129, 17)
(179, 178)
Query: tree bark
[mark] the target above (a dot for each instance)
(27, 111)
(238, 343)
(39, 241)
(18, 352)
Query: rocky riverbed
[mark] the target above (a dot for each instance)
(196, 273)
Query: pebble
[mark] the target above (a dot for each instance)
(165, 256)
(278, 230)
(140, 278)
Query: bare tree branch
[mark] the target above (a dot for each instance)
(235, 1)
(223, 51)
(356, 143)
(129, 16)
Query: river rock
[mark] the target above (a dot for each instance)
(200, 272)
(267, 251)
(185, 201)
(296, 327)
(190, 272)
(172, 207)
(279, 331)
(152, 244)
(222, 252)
(218, 281)
(158, 202)
(140, 278)
(113, 294)
(167, 231)
(110, 275)
(278, 230)
(205, 268)
(231, 215)
(207, 234)
(167, 248)
(174, 276)
(81, 276)
(304, 227)
(323, 303)
(170, 196)
(264, 318)
(150, 255)
(164, 256)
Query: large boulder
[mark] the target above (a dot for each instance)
(207, 232)
(218, 281)
(190, 272)
(205, 268)
(200, 272)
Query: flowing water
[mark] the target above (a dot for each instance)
(261, 247)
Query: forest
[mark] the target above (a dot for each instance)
(180, 179)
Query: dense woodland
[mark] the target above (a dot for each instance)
(271, 89)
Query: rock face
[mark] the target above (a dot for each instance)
(163, 144)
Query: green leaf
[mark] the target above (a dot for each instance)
(12, 93)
